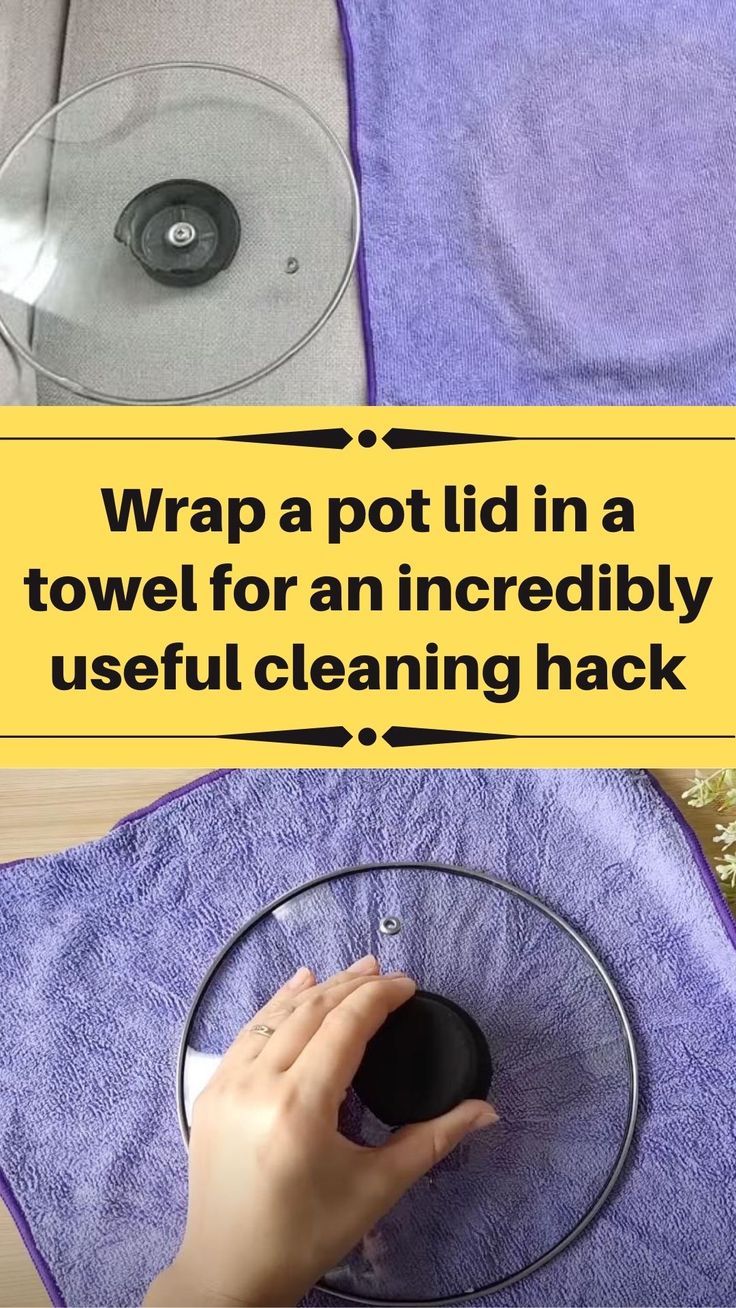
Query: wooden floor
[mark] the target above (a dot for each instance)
(42, 811)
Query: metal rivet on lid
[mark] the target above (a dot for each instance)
(389, 926)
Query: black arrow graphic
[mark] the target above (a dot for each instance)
(322, 438)
(406, 737)
(403, 737)
(327, 438)
(333, 737)
(411, 438)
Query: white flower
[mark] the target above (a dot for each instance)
(727, 870)
(727, 836)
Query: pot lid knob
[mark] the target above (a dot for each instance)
(182, 232)
(427, 1057)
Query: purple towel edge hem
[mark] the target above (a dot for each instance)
(194, 784)
(6, 1192)
(361, 265)
(39, 1262)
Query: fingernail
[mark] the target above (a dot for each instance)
(367, 964)
(487, 1116)
(300, 977)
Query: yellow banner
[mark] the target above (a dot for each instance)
(363, 587)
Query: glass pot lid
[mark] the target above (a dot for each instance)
(172, 233)
(514, 1004)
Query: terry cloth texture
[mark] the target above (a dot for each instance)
(104, 946)
(303, 51)
(31, 35)
(546, 189)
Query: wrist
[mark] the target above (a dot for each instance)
(183, 1285)
(176, 1287)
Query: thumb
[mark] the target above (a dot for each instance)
(413, 1150)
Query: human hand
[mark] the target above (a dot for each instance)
(277, 1195)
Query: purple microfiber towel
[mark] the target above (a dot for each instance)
(104, 947)
(549, 195)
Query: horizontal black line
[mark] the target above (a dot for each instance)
(402, 737)
(409, 438)
(276, 439)
(332, 438)
(628, 439)
(307, 735)
(334, 737)
(274, 736)
(105, 439)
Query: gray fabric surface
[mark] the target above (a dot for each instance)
(297, 44)
(30, 45)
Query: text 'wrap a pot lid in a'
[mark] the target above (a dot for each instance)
(514, 1004)
(173, 233)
